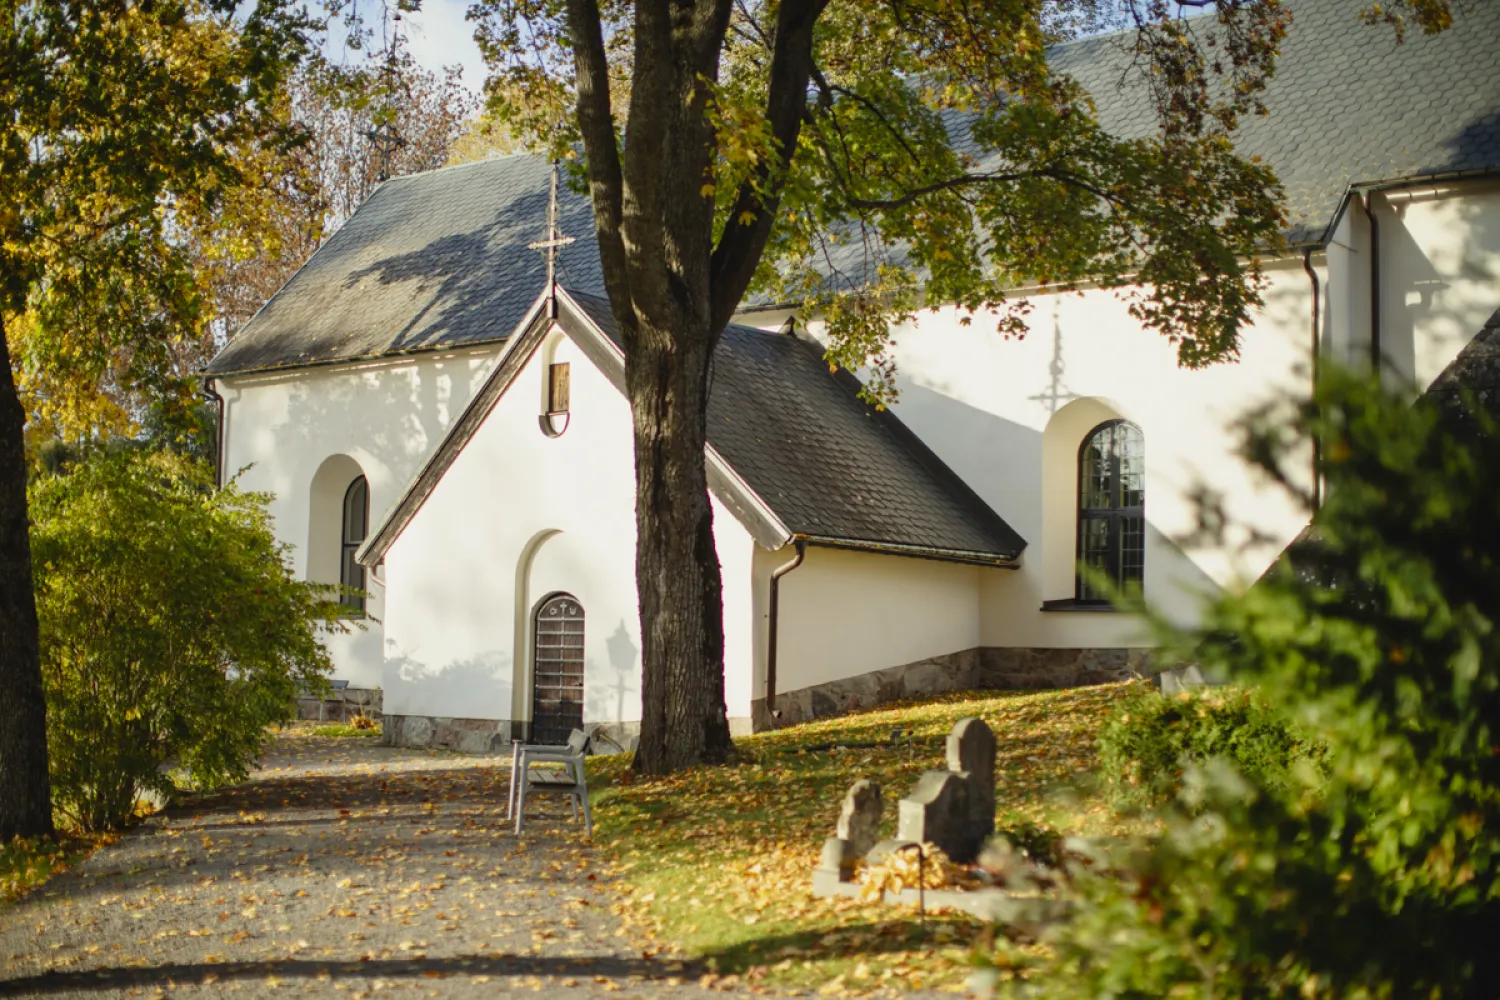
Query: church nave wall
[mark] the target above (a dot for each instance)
(378, 420)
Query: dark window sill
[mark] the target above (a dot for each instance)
(1073, 604)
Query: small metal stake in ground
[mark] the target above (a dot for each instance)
(921, 879)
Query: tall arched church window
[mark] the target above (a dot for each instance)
(356, 526)
(1111, 510)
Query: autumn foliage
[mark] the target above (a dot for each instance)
(1376, 632)
(172, 631)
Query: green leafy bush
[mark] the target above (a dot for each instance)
(1377, 631)
(172, 631)
(1150, 741)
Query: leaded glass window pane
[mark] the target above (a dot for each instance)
(1111, 511)
(356, 524)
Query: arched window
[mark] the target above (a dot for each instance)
(1111, 510)
(356, 525)
(557, 670)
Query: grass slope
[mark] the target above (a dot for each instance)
(718, 861)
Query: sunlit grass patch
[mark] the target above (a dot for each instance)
(718, 861)
(342, 731)
(27, 864)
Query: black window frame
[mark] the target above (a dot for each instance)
(1115, 516)
(352, 575)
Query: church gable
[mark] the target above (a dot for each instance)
(793, 453)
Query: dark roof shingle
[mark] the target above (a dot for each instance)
(829, 466)
(438, 259)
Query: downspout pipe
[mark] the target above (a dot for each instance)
(1316, 344)
(774, 623)
(211, 393)
(1368, 203)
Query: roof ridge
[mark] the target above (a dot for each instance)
(447, 167)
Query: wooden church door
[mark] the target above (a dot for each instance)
(557, 671)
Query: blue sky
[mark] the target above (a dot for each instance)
(438, 36)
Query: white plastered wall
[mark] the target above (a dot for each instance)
(1009, 415)
(845, 613)
(517, 517)
(303, 435)
(1440, 280)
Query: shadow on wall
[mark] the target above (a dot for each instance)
(474, 688)
(1434, 308)
(389, 418)
(625, 676)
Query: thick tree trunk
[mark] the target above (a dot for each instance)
(683, 720)
(25, 791)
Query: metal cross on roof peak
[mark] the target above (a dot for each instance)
(555, 241)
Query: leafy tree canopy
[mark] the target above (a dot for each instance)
(938, 140)
(121, 127)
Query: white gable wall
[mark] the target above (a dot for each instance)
(517, 517)
(303, 435)
(1010, 415)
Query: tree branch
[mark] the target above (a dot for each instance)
(602, 152)
(754, 212)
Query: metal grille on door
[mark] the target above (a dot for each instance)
(557, 675)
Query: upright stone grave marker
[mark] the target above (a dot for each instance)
(938, 812)
(955, 809)
(971, 753)
(858, 828)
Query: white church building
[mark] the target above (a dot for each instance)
(445, 435)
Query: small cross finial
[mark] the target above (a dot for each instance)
(384, 136)
(549, 246)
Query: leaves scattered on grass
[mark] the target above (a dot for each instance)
(718, 861)
(27, 864)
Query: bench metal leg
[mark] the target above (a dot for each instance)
(515, 763)
(520, 803)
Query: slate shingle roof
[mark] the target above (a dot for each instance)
(437, 259)
(440, 259)
(1476, 370)
(1347, 104)
(829, 466)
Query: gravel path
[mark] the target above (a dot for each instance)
(342, 869)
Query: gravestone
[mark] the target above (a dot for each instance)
(955, 809)
(938, 812)
(859, 825)
(971, 753)
(859, 821)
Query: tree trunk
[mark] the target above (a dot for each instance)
(683, 719)
(25, 791)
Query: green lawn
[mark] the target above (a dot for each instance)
(26, 864)
(343, 731)
(718, 861)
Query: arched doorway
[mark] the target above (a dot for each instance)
(557, 670)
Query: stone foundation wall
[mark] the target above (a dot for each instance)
(979, 669)
(342, 706)
(493, 736)
(480, 736)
